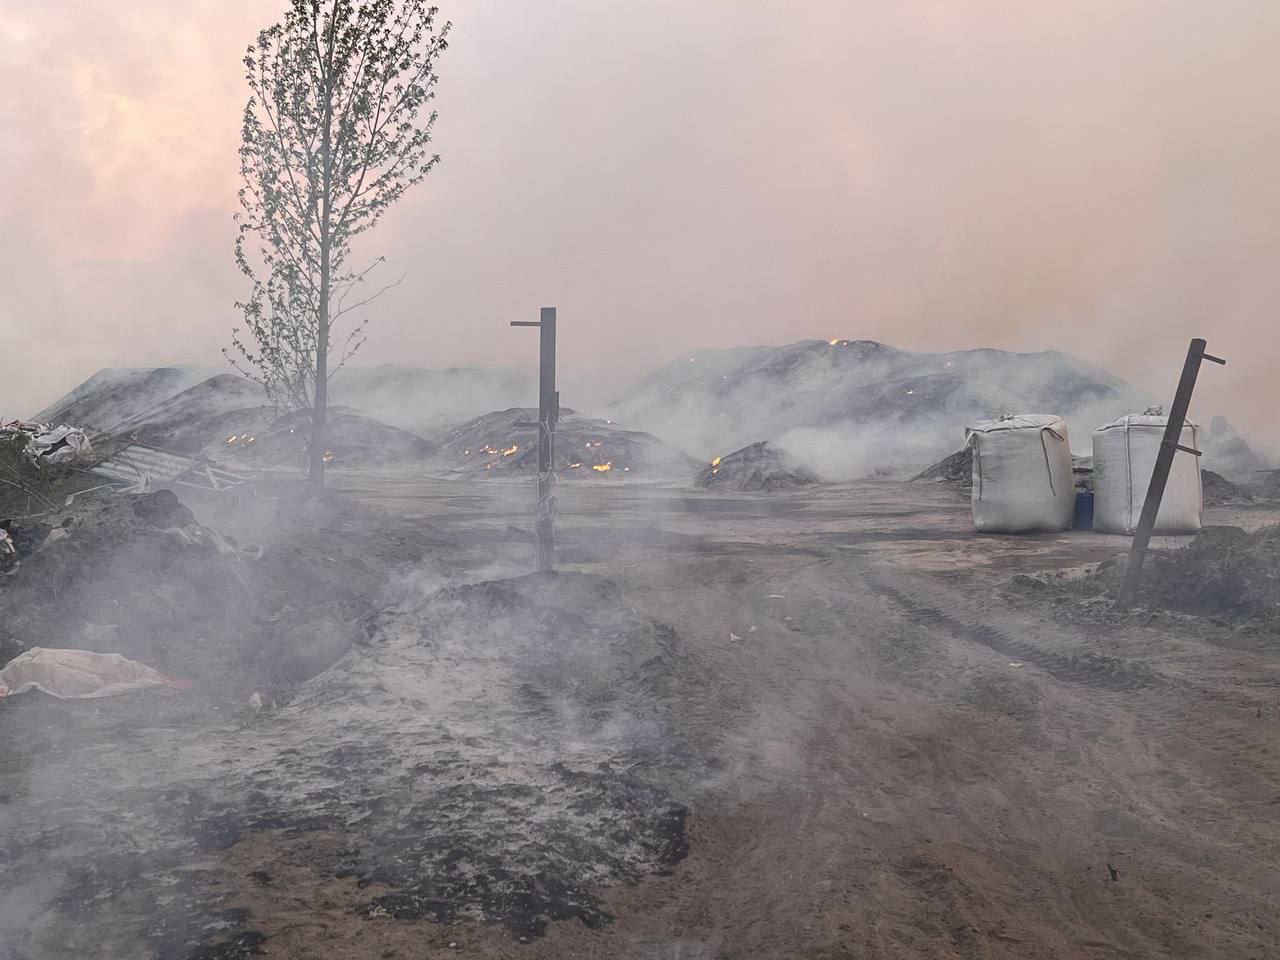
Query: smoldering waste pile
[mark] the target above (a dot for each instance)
(137, 575)
(498, 752)
(497, 444)
(227, 418)
(760, 466)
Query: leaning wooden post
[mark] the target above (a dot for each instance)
(544, 529)
(1169, 446)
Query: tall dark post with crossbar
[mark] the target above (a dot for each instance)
(544, 524)
(1170, 445)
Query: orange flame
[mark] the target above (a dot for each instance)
(602, 467)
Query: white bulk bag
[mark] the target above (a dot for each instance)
(1021, 474)
(1124, 457)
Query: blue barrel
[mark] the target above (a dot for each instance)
(1083, 517)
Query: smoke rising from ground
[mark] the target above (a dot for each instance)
(1092, 177)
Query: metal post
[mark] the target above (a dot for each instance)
(1169, 446)
(544, 532)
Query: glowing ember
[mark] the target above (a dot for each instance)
(511, 449)
(602, 467)
(715, 462)
(328, 456)
(833, 342)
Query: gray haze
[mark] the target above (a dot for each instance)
(1094, 177)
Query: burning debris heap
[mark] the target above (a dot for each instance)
(504, 442)
(891, 407)
(379, 414)
(760, 466)
(228, 418)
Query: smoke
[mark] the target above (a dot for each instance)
(1091, 176)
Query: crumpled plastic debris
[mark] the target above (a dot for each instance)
(80, 674)
(63, 444)
(8, 549)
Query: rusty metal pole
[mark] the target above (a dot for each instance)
(544, 529)
(1169, 446)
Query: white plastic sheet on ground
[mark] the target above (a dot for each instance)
(79, 674)
(1124, 457)
(1021, 474)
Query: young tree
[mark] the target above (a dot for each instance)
(334, 133)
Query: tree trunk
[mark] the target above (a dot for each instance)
(320, 404)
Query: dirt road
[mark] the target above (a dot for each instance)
(881, 750)
(910, 765)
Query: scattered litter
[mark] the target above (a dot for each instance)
(1015, 663)
(733, 636)
(80, 674)
(775, 596)
(7, 548)
(56, 534)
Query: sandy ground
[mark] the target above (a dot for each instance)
(898, 757)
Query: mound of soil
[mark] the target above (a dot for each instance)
(1219, 491)
(1226, 573)
(957, 468)
(761, 466)
(502, 444)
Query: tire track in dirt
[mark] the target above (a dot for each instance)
(1175, 709)
(1103, 673)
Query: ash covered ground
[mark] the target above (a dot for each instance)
(493, 750)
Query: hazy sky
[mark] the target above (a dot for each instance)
(1097, 176)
